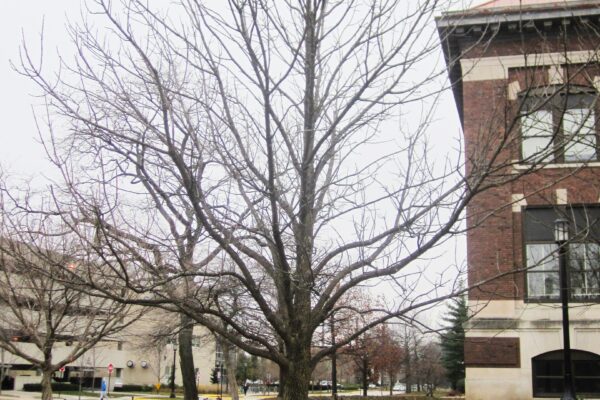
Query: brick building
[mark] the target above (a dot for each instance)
(525, 77)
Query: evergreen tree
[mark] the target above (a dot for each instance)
(247, 368)
(214, 375)
(453, 343)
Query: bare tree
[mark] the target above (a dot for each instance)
(261, 143)
(46, 320)
(170, 328)
(186, 358)
(429, 370)
(362, 352)
(152, 342)
(389, 355)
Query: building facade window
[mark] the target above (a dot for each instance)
(547, 371)
(218, 352)
(558, 124)
(541, 258)
(196, 341)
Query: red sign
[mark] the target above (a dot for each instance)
(62, 369)
(110, 368)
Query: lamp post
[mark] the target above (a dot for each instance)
(172, 395)
(220, 380)
(561, 236)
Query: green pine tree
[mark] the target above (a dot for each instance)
(247, 368)
(214, 375)
(453, 343)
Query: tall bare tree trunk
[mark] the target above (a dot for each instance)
(365, 376)
(46, 385)
(282, 378)
(297, 375)
(231, 366)
(334, 393)
(407, 368)
(186, 359)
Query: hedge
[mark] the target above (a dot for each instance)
(56, 387)
(133, 388)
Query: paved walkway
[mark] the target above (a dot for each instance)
(20, 395)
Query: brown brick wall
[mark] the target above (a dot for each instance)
(492, 352)
(494, 239)
(489, 239)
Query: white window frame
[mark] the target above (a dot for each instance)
(536, 136)
(579, 132)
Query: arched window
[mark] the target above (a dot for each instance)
(558, 124)
(547, 372)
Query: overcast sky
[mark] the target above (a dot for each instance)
(20, 151)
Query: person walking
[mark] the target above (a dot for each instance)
(103, 389)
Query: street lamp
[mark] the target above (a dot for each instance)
(172, 395)
(561, 236)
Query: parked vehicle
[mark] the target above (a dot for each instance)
(399, 387)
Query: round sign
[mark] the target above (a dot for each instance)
(62, 369)
(110, 368)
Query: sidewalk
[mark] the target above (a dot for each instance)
(20, 395)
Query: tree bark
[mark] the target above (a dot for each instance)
(296, 376)
(186, 359)
(46, 385)
(333, 362)
(230, 366)
(365, 375)
(282, 377)
(407, 367)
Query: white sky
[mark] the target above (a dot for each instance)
(20, 150)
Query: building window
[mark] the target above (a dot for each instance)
(548, 378)
(584, 260)
(119, 372)
(537, 132)
(542, 275)
(558, 124)
(579, 130)
(196, 341)
(583, 257)
(218, 352)
(119, 345)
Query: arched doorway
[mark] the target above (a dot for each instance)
(547, 371)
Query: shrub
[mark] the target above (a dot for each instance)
(56, 387)
(208, 389)
(133, 388)
(460, 385)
